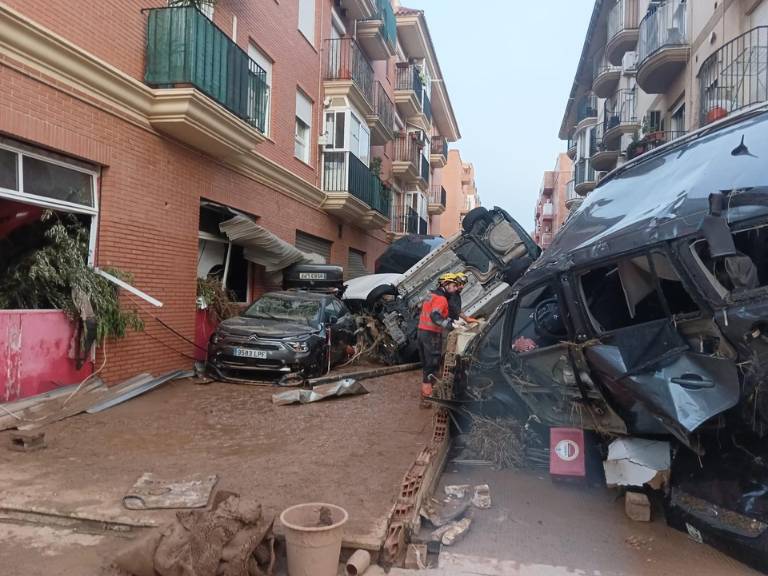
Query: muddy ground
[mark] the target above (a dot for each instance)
(352, 452)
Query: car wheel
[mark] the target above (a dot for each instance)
(376, 295)
(479, 214)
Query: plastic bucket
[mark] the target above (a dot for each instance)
(313, 538)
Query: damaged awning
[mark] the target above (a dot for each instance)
(262, 247)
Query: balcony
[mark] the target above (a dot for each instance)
(623, 30)
(353, 192)
(405, 220)
(348, 73)
(382, 120)
(547, 211)
(439, 152)
(410, 95)
(652, 140)
(409, 163)
(619, 117)
(378, 34)
(586, 111)
(734, 77)
(663, 48)
(585, 178)
(214, 96)
(605, 77)
(572, 148)
(572, 200)
(604, 157)
(437, 198)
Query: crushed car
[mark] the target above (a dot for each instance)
(304, 329)
(648, 317)
(492, 249)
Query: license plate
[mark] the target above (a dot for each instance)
(311, 275)
(248, 353)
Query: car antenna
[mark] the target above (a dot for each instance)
(742, 150)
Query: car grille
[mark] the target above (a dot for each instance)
(253, 345)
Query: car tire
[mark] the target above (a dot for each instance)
(479, 214)
(376, 294)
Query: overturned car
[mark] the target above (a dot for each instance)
(648, 316)
(492, 249)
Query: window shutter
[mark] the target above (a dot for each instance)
(355, 264)
(303, 108)
(313, 245)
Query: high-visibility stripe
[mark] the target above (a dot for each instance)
(437, 303)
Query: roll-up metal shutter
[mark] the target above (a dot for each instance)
(314, 245)
(355, 264)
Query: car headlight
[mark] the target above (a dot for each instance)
(298, 346)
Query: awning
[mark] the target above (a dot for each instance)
(262, 247)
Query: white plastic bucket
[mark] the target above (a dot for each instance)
(313, 548)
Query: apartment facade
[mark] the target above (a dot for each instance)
(551, 209)
(218, 141)
(653, 70)
(461, 196)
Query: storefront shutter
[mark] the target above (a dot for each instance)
(355, 265)
(313, 245)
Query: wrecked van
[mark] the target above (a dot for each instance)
(492, 249)
(648, 316)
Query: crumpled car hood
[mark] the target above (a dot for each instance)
(263, 327)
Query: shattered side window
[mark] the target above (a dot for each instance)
(742, 271)
(538, 321)
(634, 291)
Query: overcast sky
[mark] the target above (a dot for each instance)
(508, 66)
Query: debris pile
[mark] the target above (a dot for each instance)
(451, 517)
(233, 538)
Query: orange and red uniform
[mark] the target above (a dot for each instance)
(432, 320)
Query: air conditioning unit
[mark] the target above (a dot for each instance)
(629, 62)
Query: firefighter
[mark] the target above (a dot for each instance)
(433, 320)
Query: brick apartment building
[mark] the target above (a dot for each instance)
(552, 203)
(457, 179)
(652, 71)
(309, 125)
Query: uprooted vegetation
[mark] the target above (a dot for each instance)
(45, 266)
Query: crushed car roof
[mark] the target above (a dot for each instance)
(665, 195)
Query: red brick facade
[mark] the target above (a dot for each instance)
(151, 185)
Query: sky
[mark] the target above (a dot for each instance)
(509, 66)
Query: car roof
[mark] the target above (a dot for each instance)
(661, 196)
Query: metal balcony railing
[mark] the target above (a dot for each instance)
(405, 220)
(620, 109)
(345, 172)
(426, 106)
(344, 60)
(409, 78)
(602, 66)
(587, 107)
(424, 172)
(407, 149)
(664, 25)
(584, 173)
(570, 191)
(383, 107)
(184, 47)
(623, 16)
(386, 14)
(734, 77)
(437, 195)
(439, 146)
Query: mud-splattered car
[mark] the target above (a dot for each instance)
(648, 316)
(492, 249)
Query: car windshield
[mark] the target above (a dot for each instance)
(288, 307)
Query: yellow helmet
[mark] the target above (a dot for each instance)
(447, 277)
(461, 278)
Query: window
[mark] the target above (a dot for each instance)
(335, 130)
(678, 121)
(355, 264)
(303, 127)
(744, 270)
(218, 258)
(357, 140)
(634, 291)
(310, 244)
(266, 64)
(307, 19)
(538, 320)
(655, 123)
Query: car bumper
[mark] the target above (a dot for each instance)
(222, 359)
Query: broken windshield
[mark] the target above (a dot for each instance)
(290, 308)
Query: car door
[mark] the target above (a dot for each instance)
(340, 324)
(662, 376)
(541, 363)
